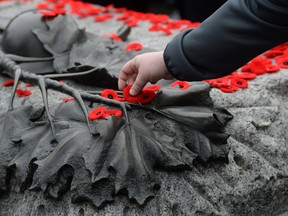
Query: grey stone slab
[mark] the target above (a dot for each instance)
(254, 182)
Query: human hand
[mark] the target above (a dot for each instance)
(144, 68)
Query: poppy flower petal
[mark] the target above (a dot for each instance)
(68, 99)
(153, 88)
(257, 67)
(147, 97)
(245, 75)
(182, 84)
(228, 88)
(240, 83)
(282, 62)
(113, 36)
(29, 85)
(97, 113)
(109, 93)
(8, 83)
(112, 112)
(272, 68)
(129, 98)
(48, 13)
(23, 92)
(134, 47)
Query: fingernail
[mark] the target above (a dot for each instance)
(132, 92)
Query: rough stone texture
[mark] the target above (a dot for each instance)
(255, 182)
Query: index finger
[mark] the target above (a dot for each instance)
(127, 71)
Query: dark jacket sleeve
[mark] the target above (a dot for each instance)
(237, 32)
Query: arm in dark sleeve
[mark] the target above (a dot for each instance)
(237, 32)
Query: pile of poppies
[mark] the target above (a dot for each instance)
(269, 62)
(146, 96)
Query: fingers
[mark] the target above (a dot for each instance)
(126, 73)
(138, 85)
(131, 79)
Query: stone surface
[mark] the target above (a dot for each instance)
(254, 182)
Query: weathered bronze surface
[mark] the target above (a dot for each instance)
(62, 150)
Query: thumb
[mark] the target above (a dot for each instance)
(138, 85)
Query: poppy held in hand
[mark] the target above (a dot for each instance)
(147, 96)
(153, 88)
(130, 98)
(144, 97)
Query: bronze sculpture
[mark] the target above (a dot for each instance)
(96, 160)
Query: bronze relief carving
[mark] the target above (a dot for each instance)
(62, 149)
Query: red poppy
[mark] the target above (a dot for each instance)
(282, 62)
(182, 84)
(158, 27)
(257, 67)
(48, 13)
(272, 68)
(184, 22)
(8, 83)
(224, 81)
(194, 24)
(111, 94)
(273, 53)
(153, 88)
(102, 18)
(119, 10)
(138, 15)
(129, 98)
(59, 5)
(241, 83)
(23, 92)
(134, 47)
(159, 18)
(131, 22)
(245, 68)
(124, 16)
(93, 10)
(223, 84)
(281, 47)
(245, 75)
(155, 27)
(147, 96)
(68, 99)
(174, 24)
(42, 5)
(263, 60)
(108, 8)
(112, 112)
(113, 36)
(97, 113)
(29, 85)
(59, 11)
(228, 88)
